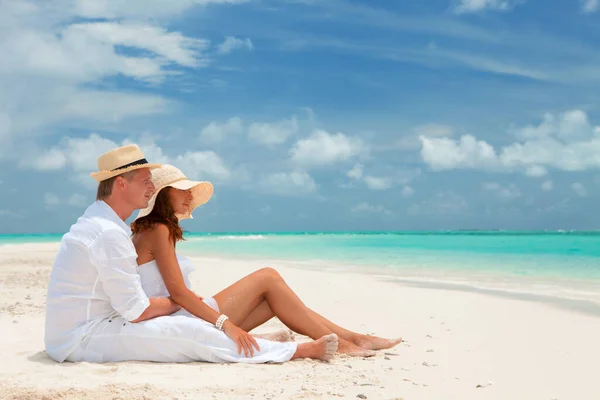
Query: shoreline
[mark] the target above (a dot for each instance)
(581, 304)
(458, 344)
(577, 295)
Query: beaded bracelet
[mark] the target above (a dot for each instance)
(220, 321)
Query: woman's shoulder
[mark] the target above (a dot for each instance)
(157, 230)
(150, 238)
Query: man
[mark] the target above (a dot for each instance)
(96, 308)
(94, 278)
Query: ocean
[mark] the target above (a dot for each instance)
(557, 264)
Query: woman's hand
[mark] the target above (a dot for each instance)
(242, 338)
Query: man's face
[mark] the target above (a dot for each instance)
(139, 190)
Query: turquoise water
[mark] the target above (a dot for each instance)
(550, 260)
(544, 254)
(30, 238)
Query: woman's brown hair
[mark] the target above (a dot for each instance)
(162, 213)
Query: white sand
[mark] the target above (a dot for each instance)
(455, 341)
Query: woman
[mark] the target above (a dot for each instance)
(246, 304)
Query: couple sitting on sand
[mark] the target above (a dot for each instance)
(117, 297)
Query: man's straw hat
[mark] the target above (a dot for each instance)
(168, 175)
(120, 160)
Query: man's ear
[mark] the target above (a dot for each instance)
(120, 181)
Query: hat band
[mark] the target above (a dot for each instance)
(131, 164)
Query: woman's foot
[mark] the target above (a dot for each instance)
(320, 349)
(282, 335)
(350, 349)
(375, 343)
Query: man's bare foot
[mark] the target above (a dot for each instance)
(350, 349)
(282, 335)
(320, 349)
(375, 343)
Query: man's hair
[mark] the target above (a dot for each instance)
(106, 186)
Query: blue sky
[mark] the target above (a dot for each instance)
(306, 114)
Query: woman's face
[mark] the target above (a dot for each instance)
(180, 200)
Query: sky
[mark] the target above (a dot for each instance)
(308, 115)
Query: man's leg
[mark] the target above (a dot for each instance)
(172, 339)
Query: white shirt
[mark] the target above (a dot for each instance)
(94, 278)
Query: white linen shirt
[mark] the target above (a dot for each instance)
(94, 278)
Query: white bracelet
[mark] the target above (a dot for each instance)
(220, 321)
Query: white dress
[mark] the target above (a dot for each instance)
(180, 337)
(154, 286)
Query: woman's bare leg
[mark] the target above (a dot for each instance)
(241, 298)
(263, 313)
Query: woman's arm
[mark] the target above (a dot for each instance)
(159, 306)
(163, 251)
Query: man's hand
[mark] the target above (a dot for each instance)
(241, 338)
(159, 307)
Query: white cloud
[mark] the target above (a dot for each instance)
(271, 134)
(232, 43)
(466, 152)
(216, 132)
(53, 47)
(547, 186)
(412, 142)
(77, 200)
(536, 171)
(378, 183)
(202, 165)
(295, 183)
(407, 191)
(566, 142)
(508, 192)
(356, 172)
(170, 46)
(365, 207)
(570, 126)
(590, 6)
(140, 8)
(473, 6)
(86, 52)
(394, 177)
(81, 155)
(47, 161)
(579, 189)
(323, 148)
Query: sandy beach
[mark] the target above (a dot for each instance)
(458, 345)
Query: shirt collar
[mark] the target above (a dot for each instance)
(100, 208)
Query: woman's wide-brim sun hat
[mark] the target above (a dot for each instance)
(168, 175)
(119, 161)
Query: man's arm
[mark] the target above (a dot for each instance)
(115, 258)
(159, 306)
